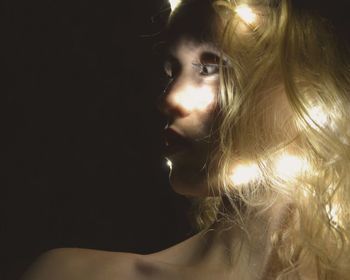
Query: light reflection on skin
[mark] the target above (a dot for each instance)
(189, 104)
(191, 100)
(169, 164)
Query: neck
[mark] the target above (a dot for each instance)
(232, 252)
(245, 251)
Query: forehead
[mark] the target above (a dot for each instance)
(195, 19)
(186, 47)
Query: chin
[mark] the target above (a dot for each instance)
(189, 175)
(189, 186)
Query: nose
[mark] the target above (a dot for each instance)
(171, 103)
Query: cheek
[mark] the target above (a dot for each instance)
(200, 98)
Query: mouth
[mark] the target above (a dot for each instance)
(174, 142)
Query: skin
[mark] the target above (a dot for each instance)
(209, 254)
(189, 104)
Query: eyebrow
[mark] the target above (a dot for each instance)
(206, 57)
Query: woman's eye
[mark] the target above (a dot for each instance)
(207, 69)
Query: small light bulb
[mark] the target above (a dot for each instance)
(289, 166)
(317, 116)
(244, 174)
(246, 13)
(174, 4)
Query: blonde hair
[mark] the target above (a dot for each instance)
(288, 54)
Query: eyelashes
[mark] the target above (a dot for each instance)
(172, 68)
(206, 69)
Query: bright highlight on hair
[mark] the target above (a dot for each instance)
(333, 213)
(244, 174)
(289, 166)
(318, 117)
(198, 99)
(285, 166)
(246, 13)
(174, 4)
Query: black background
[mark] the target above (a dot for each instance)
(84, 166)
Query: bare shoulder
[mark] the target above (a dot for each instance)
(71, 263)
(86, 264)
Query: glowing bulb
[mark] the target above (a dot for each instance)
(195, 99)
(317, 116)
(289, 166)
(174, 4)
(246, 14)
(244, 174)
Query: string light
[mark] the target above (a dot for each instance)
(174, 4)
(289, 166)
(285, 166)
(244, 174)
(317, 117)
(246, 14)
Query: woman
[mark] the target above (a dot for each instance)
(258, 135)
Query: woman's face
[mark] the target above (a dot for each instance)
(189, 103)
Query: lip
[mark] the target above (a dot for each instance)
(174, 142)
